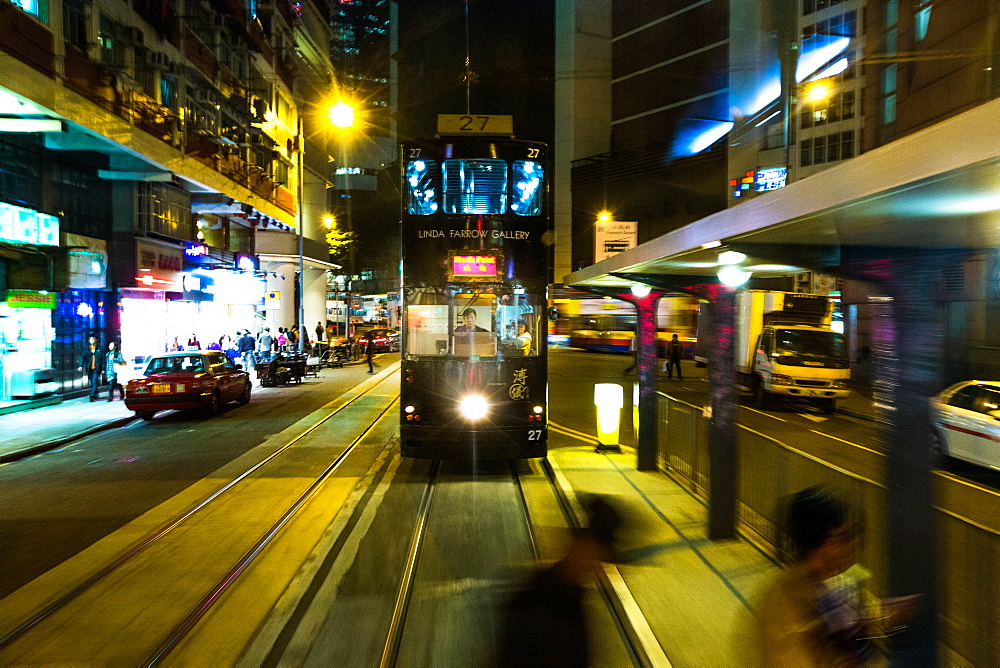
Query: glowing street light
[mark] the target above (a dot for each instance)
(604, 216)
(342, 115)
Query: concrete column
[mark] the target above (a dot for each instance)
(723, 401)
(907, 337)
(645, 309)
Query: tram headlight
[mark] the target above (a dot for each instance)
(473, 407)
(538, 409)
(409, 409)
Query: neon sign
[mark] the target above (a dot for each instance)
(474, 265)
(196, 251)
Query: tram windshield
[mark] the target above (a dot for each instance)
(472, 324)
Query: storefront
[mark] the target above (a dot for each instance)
(26, 335)
(146, 328)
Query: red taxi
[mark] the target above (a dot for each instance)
(187, 380)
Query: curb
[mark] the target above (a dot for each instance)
(49, 445)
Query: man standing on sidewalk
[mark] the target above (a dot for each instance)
(92, 361)
(246, 345)
(675, 352)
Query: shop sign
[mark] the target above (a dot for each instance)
(26, 226)
(158, 266)
(245, 263)
(272, 299)
(31, 299)
(88, 261)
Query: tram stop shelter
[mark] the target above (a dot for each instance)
(894, 216)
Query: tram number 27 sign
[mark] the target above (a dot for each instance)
(475, 124)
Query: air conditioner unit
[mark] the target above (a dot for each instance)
(157, 60)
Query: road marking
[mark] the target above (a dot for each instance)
(856, 445)
(809, 416)
(765, 414)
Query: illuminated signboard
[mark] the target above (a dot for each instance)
(474, 266)
(770, 179)
(26, 226)
(196, 251)
(31, 299)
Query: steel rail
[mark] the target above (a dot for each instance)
(532, 538)
(395, 636)
(12, 636)
(178, 633)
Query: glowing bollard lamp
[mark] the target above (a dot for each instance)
(609, 399)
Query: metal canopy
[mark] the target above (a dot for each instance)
(936, 188)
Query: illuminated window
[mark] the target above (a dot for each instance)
(421, 187)
(474, 186)
(528, 178)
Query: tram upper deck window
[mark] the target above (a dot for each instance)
(421, 190)
(528, 178)
(474, 186)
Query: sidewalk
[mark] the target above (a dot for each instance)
(35, 430)
(697, 596)
(39, 429)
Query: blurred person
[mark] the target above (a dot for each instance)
(545, 624)
(675, 352)
(92, 363)
(113, 361)
(292, 335)
(816, 612)
(281, 340)
(469, 322)
(306, 343)
(319, 331)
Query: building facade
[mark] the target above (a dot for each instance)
(150, 153)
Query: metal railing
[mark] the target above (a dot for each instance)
(768, 470)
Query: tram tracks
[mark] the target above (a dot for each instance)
(72, 611)
(638, 641)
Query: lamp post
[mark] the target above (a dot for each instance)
(302, 221)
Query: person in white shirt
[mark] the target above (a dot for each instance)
(523, 337)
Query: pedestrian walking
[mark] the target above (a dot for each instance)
(92, 363)
(113, 363)
(319, 331)
(246, 345)
(370, 353)
(675, 352)
(282, 340)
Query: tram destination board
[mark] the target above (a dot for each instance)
(475, 258)
(496, 125)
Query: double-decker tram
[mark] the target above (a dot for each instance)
(476, 229)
